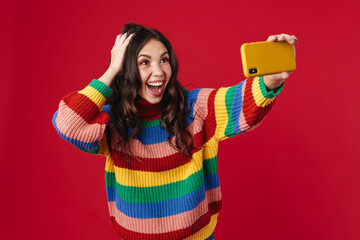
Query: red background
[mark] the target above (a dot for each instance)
(294, 177)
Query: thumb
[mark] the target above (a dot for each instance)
(279, 76)
(284, 75)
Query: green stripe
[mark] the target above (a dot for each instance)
(101, 88)
(185, 91)
(210, 166)
(229, 99)
(92, 152)
(164, 192)
(148, 124)
(271, 93)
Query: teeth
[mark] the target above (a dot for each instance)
(156, 84)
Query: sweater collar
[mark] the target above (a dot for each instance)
(148, 111)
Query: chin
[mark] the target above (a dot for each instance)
(153, 100)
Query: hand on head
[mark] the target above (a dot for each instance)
(118, 51)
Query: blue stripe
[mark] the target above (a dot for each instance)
(191, 99)
(146, 136)
(237, 105)
(76, 143)
(164, 208)
(107, 109)
(211, 237)
(152, 135)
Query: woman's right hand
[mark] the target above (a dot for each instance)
(117, 58)
(118, 51)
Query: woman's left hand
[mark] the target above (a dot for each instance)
(273, 81)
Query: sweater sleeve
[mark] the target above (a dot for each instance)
(242, 107)
(81, 119)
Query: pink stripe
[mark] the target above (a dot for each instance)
(242, 121)
(166, 224)
(201, 105)
(74, 126)
(158, 150)
(244, 126)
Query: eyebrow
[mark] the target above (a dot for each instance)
(144, 55)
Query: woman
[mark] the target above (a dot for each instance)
(160, 140)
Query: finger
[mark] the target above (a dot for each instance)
(122, 38)
(130, 36)
(289, 39)
(281, 37)
(284, 75)
(126, 42)
(279, 76)
(117, 38)
(295, 39)
(271, 38)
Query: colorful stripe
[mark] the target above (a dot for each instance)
(165, 224)
(135, 178)
(163, 208)
(89, 133)
(84, 146)
(207, 176)
(158, 193)
(237, 108)
(201, 229)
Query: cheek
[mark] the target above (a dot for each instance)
(143, 76)
(168, 72)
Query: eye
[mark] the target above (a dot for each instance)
(164, 60)
(144, 62)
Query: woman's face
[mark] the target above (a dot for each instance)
(154, 69)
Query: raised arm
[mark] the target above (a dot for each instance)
(243, 107)
(82, 118)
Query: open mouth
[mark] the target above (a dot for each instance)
(156, 88)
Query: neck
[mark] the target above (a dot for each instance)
(148, 111)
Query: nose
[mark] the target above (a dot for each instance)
(157, 70)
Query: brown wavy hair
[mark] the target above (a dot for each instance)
(125, 88)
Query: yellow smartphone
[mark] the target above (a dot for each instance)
(262, 58)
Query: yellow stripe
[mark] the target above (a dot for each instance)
(109, 164)
(206, 231)
(259, 98)
(104, 150)
(135, 178)
(94, 95)
(221, 113)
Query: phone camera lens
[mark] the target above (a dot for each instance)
(253, 70)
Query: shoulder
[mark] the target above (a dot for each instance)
(199, 95)
(199, 101)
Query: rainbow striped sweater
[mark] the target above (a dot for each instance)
(165, 195)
